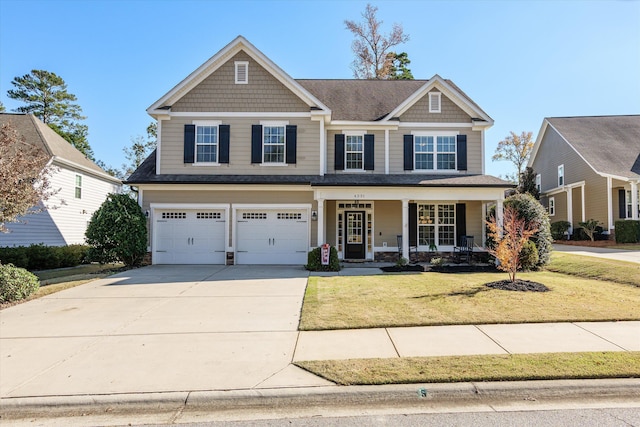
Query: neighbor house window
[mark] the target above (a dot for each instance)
(436, 224)
(560, 175)
(434, 152)
(206, 144)
(539, 183)
(552, 206)
(78, 193)
(630, 204)
(434, 102)
(242, 72)
(354, 152)
(273, 144)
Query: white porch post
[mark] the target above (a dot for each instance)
(634, 200)
(323, 149)
(386, 151)
(321, 237)
(609, 203)
(484, 228)
(405, 228)
(584, 215)
(570, 208)
(499, 215)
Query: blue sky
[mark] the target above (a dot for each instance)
(520, 61)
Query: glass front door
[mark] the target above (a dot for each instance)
(354, 235)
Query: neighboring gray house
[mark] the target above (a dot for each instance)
(589, 168)
(82, 185)
(255, 167)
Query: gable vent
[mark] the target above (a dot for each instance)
(242, 72)
(434, 102)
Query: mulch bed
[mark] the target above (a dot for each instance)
(518, 285)
(398, 269)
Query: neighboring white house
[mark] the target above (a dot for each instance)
(82, 187)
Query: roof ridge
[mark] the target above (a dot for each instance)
(44, 140)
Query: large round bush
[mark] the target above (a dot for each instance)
(534, 213)
(16, 283)
(118, 231)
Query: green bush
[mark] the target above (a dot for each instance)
(559, 230)
(16, 283)
(118, 231)
(314, 260)
(43, 257)
(529, 257)
(73, 255)
(16, 255)
(627, 231)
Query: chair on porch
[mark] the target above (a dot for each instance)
(464, 249)
(412, 249)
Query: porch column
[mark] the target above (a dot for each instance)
(321, 237)
(405, 228)
(634, 200)
(570, 208)
(323, 149)
(584, 215)
(386, 151)
(484, 227)
(610, 203)
(499, 215)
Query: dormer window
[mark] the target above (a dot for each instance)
(242, 72)
(434, 102)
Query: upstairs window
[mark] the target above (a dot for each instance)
(434, 102)
(424, 152)
(354, 152)
(78, 189)
(206, 144)
(242, 72)
(552, 206)
(273, 144)
(560, 175)
(437, 152)
(539, 183)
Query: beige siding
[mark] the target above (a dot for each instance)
(554, 151)
(378, 146)
(387, 218)
(474, 148)
(450, 112)
(219, 92)
(308, 149)
(576, 194)
(561, 208)
(475, 221)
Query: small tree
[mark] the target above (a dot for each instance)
(24, 176)
(510, 239)
(398, 66)
(528, 183)
(515, 149)
(118, 231)
(589, 226)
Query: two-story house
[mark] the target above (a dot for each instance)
(80, 188)
(589, 168)
(255, 167)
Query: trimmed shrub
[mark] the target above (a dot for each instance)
(16, 255)
(627, 231)
(559, 230)
(314, 260)
(529, 256)
(73, 255)
(43, 257)
(118, 231)
(16, 283)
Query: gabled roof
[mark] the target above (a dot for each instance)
(219, 59)
(42, 136)
(610, 145)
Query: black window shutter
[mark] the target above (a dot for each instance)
(461, 221)
(413, 224)
(292, 141)
(189, 143)
(339, 152)
(369, 152)
(622, 203)
(461, 142)
(256, 143)
(223, 154)
(408, 152)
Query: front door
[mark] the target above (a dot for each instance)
(354, 235)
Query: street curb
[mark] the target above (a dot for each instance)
(328, 397)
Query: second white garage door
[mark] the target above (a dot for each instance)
(272, 236)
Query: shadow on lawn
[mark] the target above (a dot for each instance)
(464, 293)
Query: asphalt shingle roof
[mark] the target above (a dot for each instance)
(610, 144)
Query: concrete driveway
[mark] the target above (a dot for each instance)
(156, 329)
(615, 254)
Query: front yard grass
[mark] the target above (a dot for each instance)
(344, 302)
(514, 367)
(595, 268)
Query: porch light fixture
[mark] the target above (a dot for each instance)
(314, 215)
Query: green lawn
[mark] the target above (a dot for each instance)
(514, 367)
(595, 268)
(343, 302)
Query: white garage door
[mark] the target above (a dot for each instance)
(272, 236)
(189, 236)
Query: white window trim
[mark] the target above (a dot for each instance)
(435, 135)
(433, 95)
(273, 123)
(215, 123)
(368, 211)
(238, 64)
(436, 224)
(76, 186)
(561, 175)
(539, 182)
(353, 133)
(552, 206)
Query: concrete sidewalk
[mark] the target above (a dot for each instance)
(615, 254)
